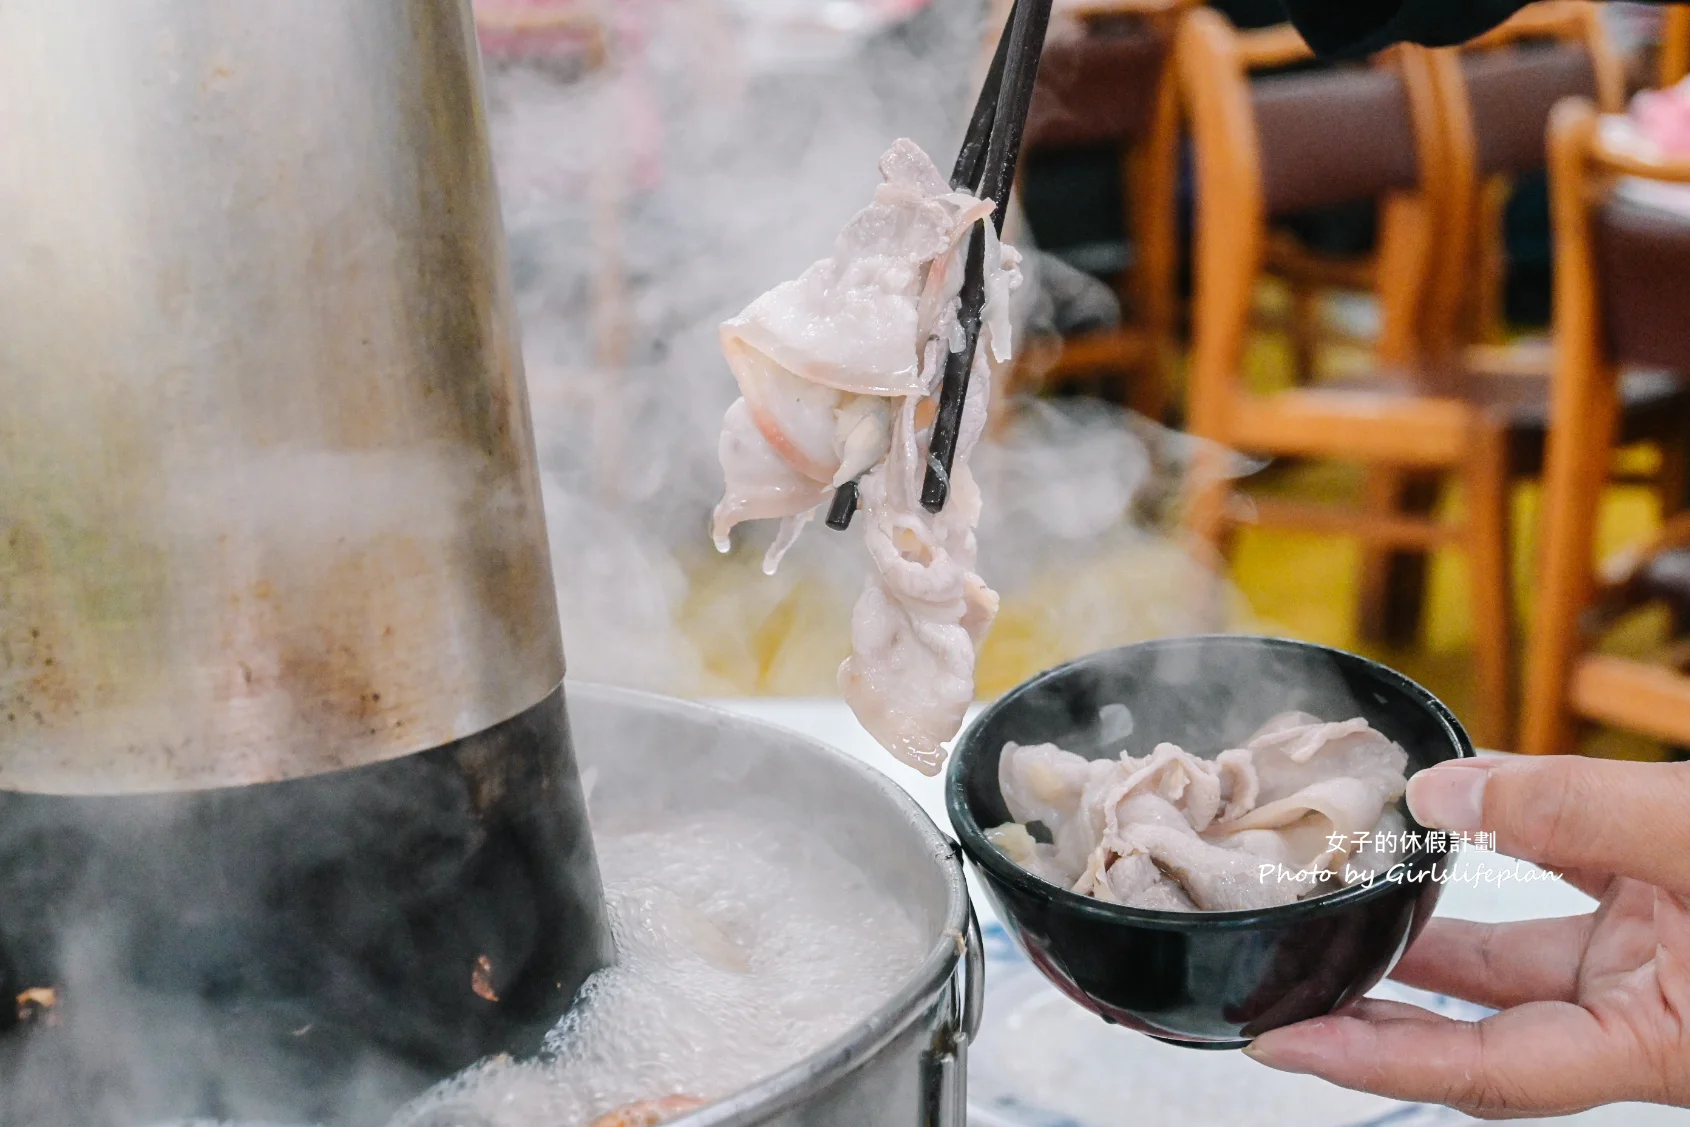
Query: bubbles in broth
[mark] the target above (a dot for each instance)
(743, 946)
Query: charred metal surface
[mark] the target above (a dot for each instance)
(305, 951)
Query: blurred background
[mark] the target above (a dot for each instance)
(662, 162)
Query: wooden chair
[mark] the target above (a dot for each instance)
(1672, 58)
(1497, 95)
(1622, 297)
(1307, 140)
(1308, 275)
(1113, 84)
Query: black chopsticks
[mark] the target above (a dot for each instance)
(985, 166)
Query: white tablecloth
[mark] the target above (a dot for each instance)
(1097, 1065)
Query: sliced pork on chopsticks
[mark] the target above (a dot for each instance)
(837, 373)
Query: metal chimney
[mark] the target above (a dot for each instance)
(290, 823)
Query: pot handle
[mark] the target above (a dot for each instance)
(945, 1065)
(974, 980)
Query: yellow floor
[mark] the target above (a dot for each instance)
(785, 636)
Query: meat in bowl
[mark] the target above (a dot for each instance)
(1302, 807)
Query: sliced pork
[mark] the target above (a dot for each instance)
(1304, 806)
(838, 371)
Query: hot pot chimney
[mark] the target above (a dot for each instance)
(290, 824)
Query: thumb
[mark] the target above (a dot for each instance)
(1568, 812)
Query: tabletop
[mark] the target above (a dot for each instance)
(1041, 1061)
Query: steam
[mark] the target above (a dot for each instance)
(645, 204)
(718, 154)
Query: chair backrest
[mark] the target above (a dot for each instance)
(1321, 137)
(1497, 94)
(1290, 142)
(1513, 77)
(1333, 137)
(1510, 93)
(1100, 86)
(1642, 275)
(1622, 284)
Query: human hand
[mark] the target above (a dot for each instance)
(1594, 1009)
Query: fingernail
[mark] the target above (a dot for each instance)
(1281, 1050)
(1450, 796)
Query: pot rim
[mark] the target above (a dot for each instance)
(797, 1083)
(1002, 870)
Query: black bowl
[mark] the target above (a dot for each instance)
(1203, 979)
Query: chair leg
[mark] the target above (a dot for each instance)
(1144, 391)
(1150, 174)
(1208, 537)
(1382, 495)
(1674, 475)
(1492, 266)
(1670, 484)
(1487, 541)
(1305, 332)
(1393, 580)
(1207, 501)
(1584, 404)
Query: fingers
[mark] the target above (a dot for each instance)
(1626, 938)
(1383, 1009)
(1498, 965)
(1568, 812)
(1593, 884)
(1547, 1058)
(1671, 919)
(1672, 956)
